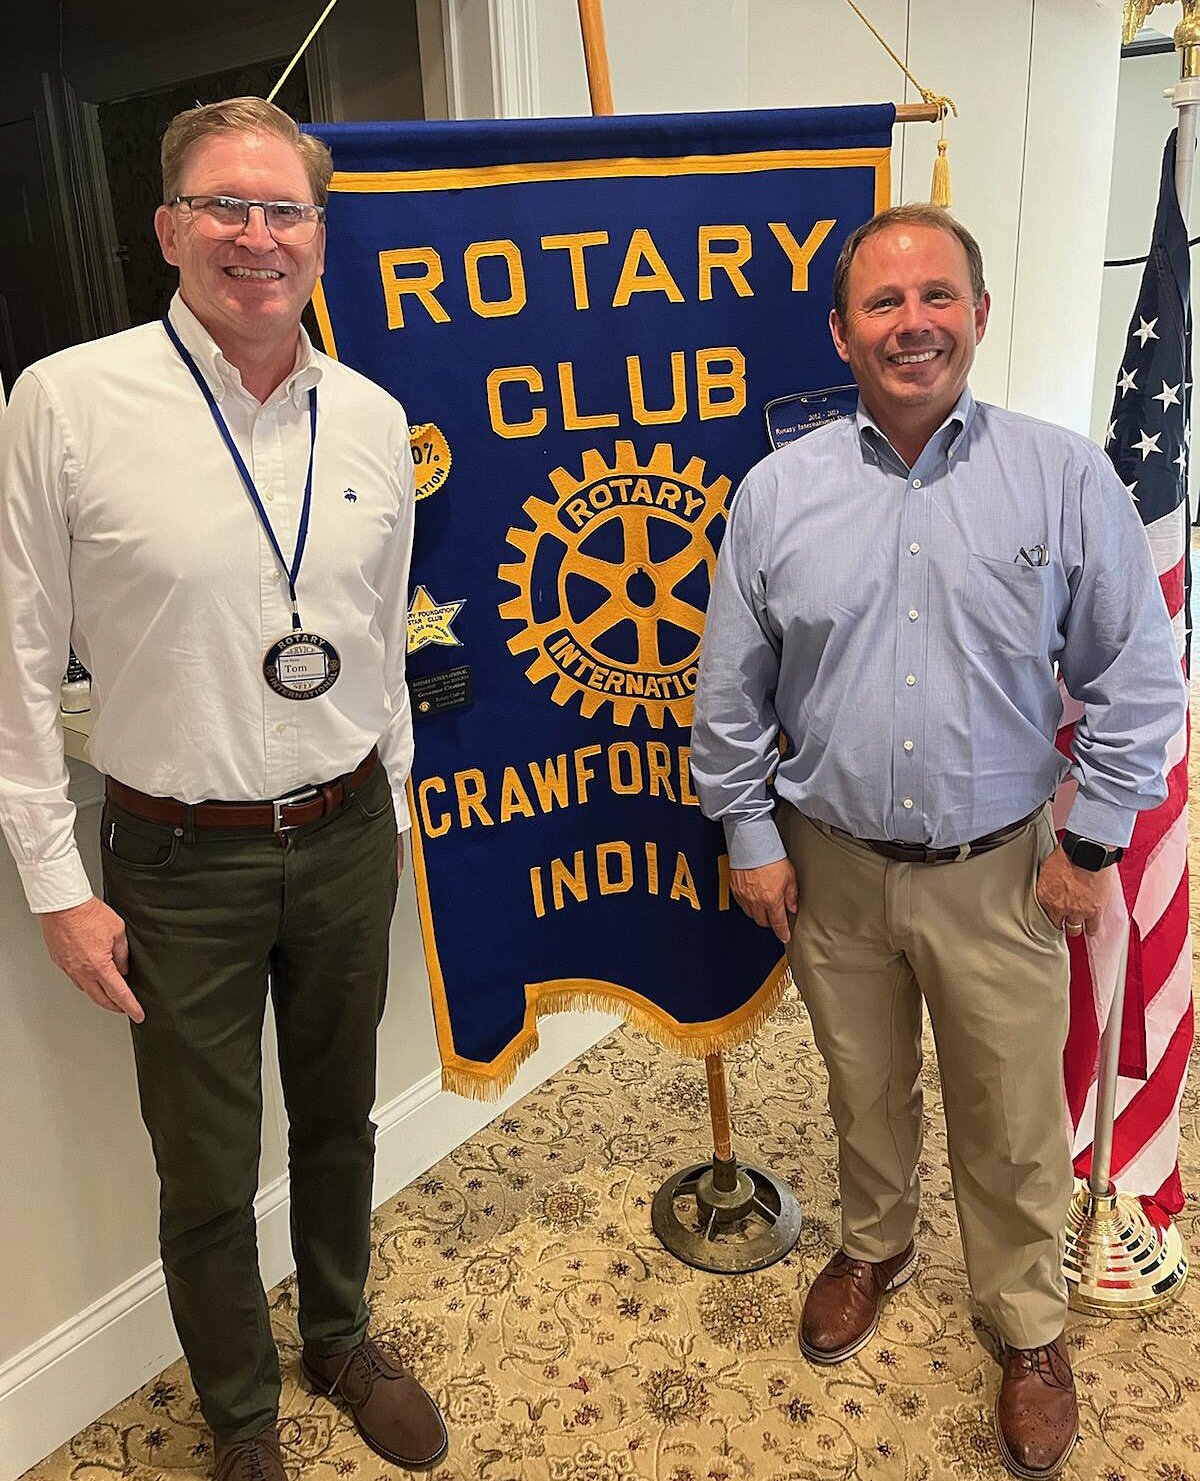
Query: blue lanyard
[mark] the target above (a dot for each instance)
(293, 571)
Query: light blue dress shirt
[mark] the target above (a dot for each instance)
(884, 620)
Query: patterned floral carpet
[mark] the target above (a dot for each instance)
(522, 1281)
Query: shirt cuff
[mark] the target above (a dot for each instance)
(58, 885)
(400, 802)
(752, 842)
(1103, 822)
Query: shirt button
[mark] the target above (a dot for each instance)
(908, 745)
(908, 802)
(913, 614)
(913, 548)
(916, 483)
(910, 679)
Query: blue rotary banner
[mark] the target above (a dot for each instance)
(586, 320)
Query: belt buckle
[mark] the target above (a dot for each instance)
(302, 794)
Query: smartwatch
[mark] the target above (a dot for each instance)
(1086, 853)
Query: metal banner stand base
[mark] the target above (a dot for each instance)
(744, 1218)
(1117, 1263)
(720, 1216)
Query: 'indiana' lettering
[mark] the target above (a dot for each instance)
(616, 868)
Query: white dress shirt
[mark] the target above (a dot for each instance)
(126, 531)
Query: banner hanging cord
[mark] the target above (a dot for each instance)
(287, 71)
(939, 194)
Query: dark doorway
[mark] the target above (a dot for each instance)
(33, 312)
(88, 90)
(131, 129)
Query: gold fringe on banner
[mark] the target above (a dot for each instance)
(478, 1081)
(939, 191)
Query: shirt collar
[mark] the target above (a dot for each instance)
(949, 436)
(221, 375)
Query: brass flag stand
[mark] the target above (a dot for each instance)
(1117, 1263)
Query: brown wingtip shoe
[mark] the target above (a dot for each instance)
(1037, 1415)
(841, 1309)
(393, 1413)
(255, 1459)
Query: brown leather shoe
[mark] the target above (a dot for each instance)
(255, 1459)
(394, 1414)
(1037, 1416)
(841, 1309)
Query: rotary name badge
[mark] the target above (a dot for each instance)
(302, 666)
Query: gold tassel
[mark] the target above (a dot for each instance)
(939, 191)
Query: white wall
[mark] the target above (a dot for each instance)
(81, 1307)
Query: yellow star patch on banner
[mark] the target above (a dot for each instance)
(429, 621)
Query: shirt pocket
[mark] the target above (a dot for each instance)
(1004, 607)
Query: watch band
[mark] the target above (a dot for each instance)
(1086, 853)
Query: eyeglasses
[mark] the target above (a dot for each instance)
(223, 217)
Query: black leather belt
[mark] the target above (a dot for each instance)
(278, 816)
(920, 853)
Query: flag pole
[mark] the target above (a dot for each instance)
(1117, 1262)
(1185, 96)
(760, 1209)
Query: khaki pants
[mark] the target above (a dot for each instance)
(875, 936)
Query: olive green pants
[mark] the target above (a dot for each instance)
(214, 922)
(873, 937)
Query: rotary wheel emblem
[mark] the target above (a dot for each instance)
(613, 582)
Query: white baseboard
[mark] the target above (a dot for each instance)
(68, 1378)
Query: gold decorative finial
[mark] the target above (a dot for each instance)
(1187, 32)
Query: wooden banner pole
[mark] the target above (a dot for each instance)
(595, 55)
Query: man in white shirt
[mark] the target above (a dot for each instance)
(220, 519)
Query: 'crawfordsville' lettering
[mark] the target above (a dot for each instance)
(469, 798)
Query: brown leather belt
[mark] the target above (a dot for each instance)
(305, 805)
(919, 853)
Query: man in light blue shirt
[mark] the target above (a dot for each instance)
(874, 726)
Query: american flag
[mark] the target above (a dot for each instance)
(1148, 440)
